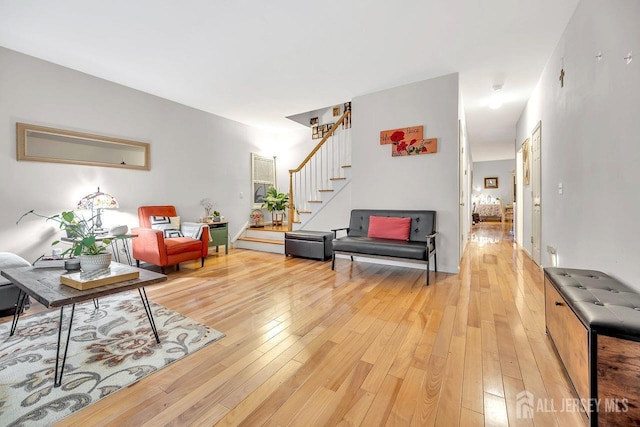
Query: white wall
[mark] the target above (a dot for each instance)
(427, 181)
(497, 168)
(590, 131)
(193, 154)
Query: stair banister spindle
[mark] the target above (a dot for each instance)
(323, 152)
(336, 160)
(339, 161)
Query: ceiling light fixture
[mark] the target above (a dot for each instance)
(496, 99)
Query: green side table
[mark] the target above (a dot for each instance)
(219, 232)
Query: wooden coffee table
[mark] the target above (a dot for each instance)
(43, 285)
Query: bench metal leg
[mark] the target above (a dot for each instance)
(333, 260)
(427, 270)
(435, 261)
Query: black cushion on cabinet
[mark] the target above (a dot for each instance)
(316, 236)
(601, 302)
(308, 244)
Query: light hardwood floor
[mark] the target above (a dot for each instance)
(364, 345)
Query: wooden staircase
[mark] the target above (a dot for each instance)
(322, 174)
(319, 178)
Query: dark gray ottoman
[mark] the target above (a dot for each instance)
(308, 244)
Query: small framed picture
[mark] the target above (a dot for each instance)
(314, 121)
(491, 182)
(336, 111)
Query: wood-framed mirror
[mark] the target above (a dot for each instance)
(45, 144)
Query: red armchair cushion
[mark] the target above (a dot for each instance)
(383, 227)
(178, 245)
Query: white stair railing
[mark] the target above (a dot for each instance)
(324, 164)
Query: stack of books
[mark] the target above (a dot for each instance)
(83, 280)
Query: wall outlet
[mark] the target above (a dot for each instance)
(551, 250)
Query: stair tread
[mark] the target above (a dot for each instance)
(255, 239)
(346, 166)
(315, 201)
(323, 191)
(337, 179)
(305, 212)
(269, 227)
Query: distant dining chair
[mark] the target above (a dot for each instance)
(162, 240)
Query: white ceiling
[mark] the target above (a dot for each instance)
(257, 61)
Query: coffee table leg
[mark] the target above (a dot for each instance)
(58, 378)
(22, 296)
(147, 308)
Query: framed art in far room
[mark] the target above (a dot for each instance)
(491, 182)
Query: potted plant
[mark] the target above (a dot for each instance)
(91, 250)
(276, 203)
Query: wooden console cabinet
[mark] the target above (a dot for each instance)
(593, 322)
(570, 338)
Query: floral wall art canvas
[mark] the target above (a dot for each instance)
(408, 141)
(421, 146)
(409, 133)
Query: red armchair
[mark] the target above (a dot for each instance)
(151, 246)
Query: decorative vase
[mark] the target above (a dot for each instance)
(95, 262)
(257, 218)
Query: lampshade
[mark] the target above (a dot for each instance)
(98, 201)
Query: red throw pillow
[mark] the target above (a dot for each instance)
(385, 227)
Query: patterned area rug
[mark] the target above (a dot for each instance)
(110, 348)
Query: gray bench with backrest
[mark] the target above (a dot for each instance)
(419, 247)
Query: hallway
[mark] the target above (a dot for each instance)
(506, 319)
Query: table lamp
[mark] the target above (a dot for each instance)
(98, 201)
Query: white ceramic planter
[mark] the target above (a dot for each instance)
(95, 262)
